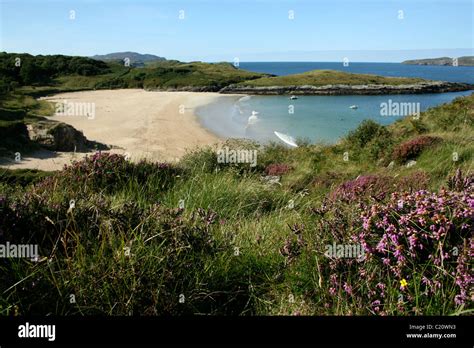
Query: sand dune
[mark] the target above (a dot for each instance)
(155, 125)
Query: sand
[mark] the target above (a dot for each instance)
(159, 126)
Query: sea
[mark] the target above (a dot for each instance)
(324, 119)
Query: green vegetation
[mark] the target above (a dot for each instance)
(461, 61)
(134, 59)
(56, 73)
(25, 69)
(329, 77)
(238, 247)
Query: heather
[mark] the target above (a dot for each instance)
(411, 149)
(201, 237)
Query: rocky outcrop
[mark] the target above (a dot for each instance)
(58, 136)
(418, 88)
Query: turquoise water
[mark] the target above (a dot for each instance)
(317, 118)
(321, 118)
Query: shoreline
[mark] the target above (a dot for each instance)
(153, 125)
(339, 89)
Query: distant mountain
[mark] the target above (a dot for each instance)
(462, 61)
(136, 59)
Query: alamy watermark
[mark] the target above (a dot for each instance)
(392, 108)
(37, 331)
(29, 251)
(66, 108)
(226, 155)
(346, 251)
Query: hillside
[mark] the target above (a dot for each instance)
(202, 237)
(76, 73)
(462, 61)
(135, 59)
(330, 77)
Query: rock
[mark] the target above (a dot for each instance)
(391, 165)
(271, 179)
(58, 136)
(410, 164)
(337, 89)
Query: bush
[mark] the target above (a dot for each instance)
(108, 171)
(378, 186)
(363, 186)
(365, 133)
(416, 250)
(418, 126)
(411, 149)
(425, 233)
(277, 169)
(204, 160)
(460, 182)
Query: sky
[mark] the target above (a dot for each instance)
(249, 30)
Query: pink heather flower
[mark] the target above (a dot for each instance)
(459, 300)
(347, 288)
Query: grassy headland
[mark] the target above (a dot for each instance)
(461, 61)
(323, 82)
(330, 77)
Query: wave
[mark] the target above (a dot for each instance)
(244, 99)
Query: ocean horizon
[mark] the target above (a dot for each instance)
(431, 72)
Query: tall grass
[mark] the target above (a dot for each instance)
(202, 237)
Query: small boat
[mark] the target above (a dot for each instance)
(353, 107)
(293, 97)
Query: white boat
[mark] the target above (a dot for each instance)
(354, 107)
(287, 139)
(293, 97)
(253, 118)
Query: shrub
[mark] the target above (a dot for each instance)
(418, 126)
(365, 132)
(277, 169)
(203, 159)
(416, 253)
(411, 149)
(379, 186)
(460, 182)
(412, 182)
(363, 186)
(426, 232)
(108, 171)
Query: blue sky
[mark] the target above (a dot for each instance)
(252, 30)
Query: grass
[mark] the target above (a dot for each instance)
(162, 75)
(238, 247)
(329, 77)
(18, 109)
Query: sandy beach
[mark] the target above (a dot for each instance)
(159, 126)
